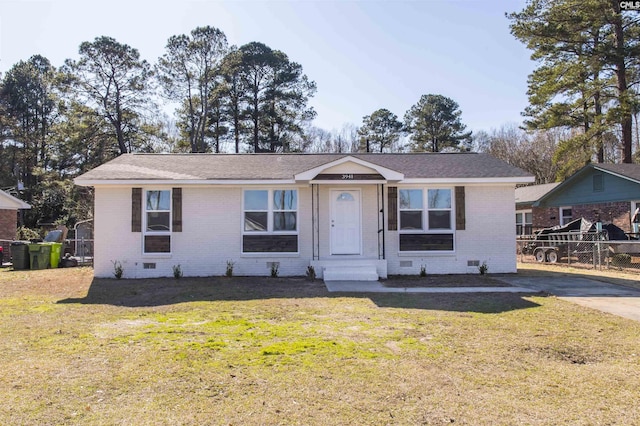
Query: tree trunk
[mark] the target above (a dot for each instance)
(621, 74)
(256, 123)
(599, 138)
(118, 126)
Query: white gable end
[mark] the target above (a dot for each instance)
(350, 165)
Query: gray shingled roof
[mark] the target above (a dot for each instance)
(631, 171)
(532, 193)
(286, 166)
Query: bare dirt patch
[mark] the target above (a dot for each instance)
(462, 280)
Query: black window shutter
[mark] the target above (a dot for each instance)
(460, 208)
(136, 209)
(176, 221)
(392, 208)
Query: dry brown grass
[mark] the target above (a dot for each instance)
(444, 280)
(260, 351)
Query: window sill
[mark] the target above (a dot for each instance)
(270, 254)
(157, 255)
(426, 253)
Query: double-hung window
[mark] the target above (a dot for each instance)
(270, 221)
(524, 222)
(411, 209)
(157, 221)
(426, 219)
(566, 215)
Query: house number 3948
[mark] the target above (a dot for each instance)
(347, 177)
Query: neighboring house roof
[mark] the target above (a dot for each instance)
(625, 170)
(9, 202)
(618, 182)
(191, 168)
(527, 195)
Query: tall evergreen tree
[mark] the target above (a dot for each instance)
(276, 93)
(381, 131)
(434, 125)
(587, 51)
(112, 79)
(29, 105)
(189, 72)
(233, 95)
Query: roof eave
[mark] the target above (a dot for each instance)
(164, 182)
(15, 203)
(472, 180)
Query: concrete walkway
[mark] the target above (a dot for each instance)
(605, 297)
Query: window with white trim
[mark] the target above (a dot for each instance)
(566, 215)
(524, 222)
(285, 210)
(270, 221)
(411, 209)
(157, 221)
(426, 219)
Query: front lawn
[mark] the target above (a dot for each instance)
(261, 351)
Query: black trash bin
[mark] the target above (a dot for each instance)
(20, 254)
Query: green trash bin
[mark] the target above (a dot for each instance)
(56, 251)
(40, 255)
(20, 254)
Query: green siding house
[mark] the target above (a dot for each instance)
(609, 193)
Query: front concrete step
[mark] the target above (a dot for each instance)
(364, 269)
(350, 273)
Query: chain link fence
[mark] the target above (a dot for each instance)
(581, 250)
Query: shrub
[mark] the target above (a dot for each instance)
(311, 273)
(229, 271)
(26, 234)
(118, 270)
(423, 271)
(483, 268)
(621, 259)
(177, 272)
(274, 269)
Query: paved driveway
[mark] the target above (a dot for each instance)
(614, 299)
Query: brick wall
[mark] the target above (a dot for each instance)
(489, 236)
(617, 213)
(8, 223)
(212, 235)
(545, 217)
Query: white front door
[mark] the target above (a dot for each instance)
(345, 222)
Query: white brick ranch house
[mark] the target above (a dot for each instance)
(355, 216)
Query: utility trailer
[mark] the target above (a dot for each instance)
(576, 238)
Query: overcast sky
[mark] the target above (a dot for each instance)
(363, 55)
